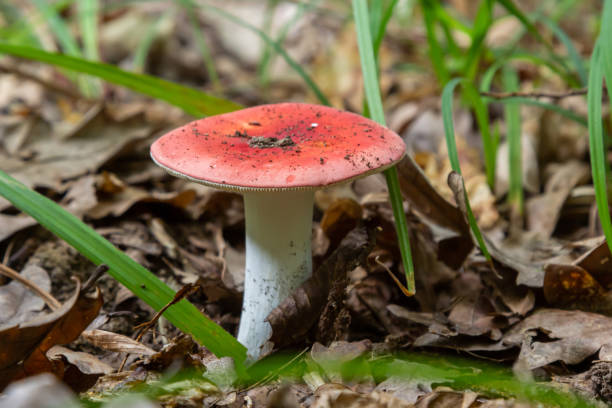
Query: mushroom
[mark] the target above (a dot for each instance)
(276, 156)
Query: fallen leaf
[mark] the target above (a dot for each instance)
(116, 342)
(26, 343)
(571, 287)
(336, 396)
(543, 210)
(81, 370)
(569, 336)
(19, 304)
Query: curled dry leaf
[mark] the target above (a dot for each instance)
(116, 342)
(321, 297)
(81, 370)
(25, 344)
(569, 336)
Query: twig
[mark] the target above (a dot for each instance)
(52, 302)
(551, 95)
(100, 270)
(180, 295)
(11, 69)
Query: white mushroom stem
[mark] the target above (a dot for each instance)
(278, 258)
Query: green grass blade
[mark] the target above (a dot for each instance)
(529, 26)
(142, 51)
(606, 43)
(372, 91)
(277, 47)
(449, 133)
(572, 53)
(513, 136)
(88, 11)
(489, 143)
(263, 69)
(189, 7)
(66, 40)
(385, 16)
(596, 142)
(190, 100)
(124, 269)
(435, 49)
(484, 18)
(58, 26)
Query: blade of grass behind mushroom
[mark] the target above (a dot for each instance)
(192, 101)
(513, 136)
(449, 134)
(596, 142)
(278, 48)
(49, 14)
(124, 269)
(372, 91)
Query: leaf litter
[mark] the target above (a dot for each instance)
(546, 312)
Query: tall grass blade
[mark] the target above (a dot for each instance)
(190, 8)
(277, 47)
(88, 11)
(435, 49)
(596, 142)
(66, 40)
(449, 133)
(372, 91)
(152, 31)
(489, 143)
(482, 22)
(381, 27)
(190, 100)
(513, 136)
(124, 269)
(572, 53)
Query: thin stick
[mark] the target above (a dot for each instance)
(12, 69)
(551, 95)
(180, 295)
(52, 302)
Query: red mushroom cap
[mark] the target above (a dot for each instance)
(287, 146)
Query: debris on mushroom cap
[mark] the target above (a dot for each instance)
(280, 146)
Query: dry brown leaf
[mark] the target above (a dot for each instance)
(81, 370)
(571, 287)
(337, 396)
(26, 344)
(543, 210)
(598, 262)
(569, 336)
(116, 342)
(19, 304)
